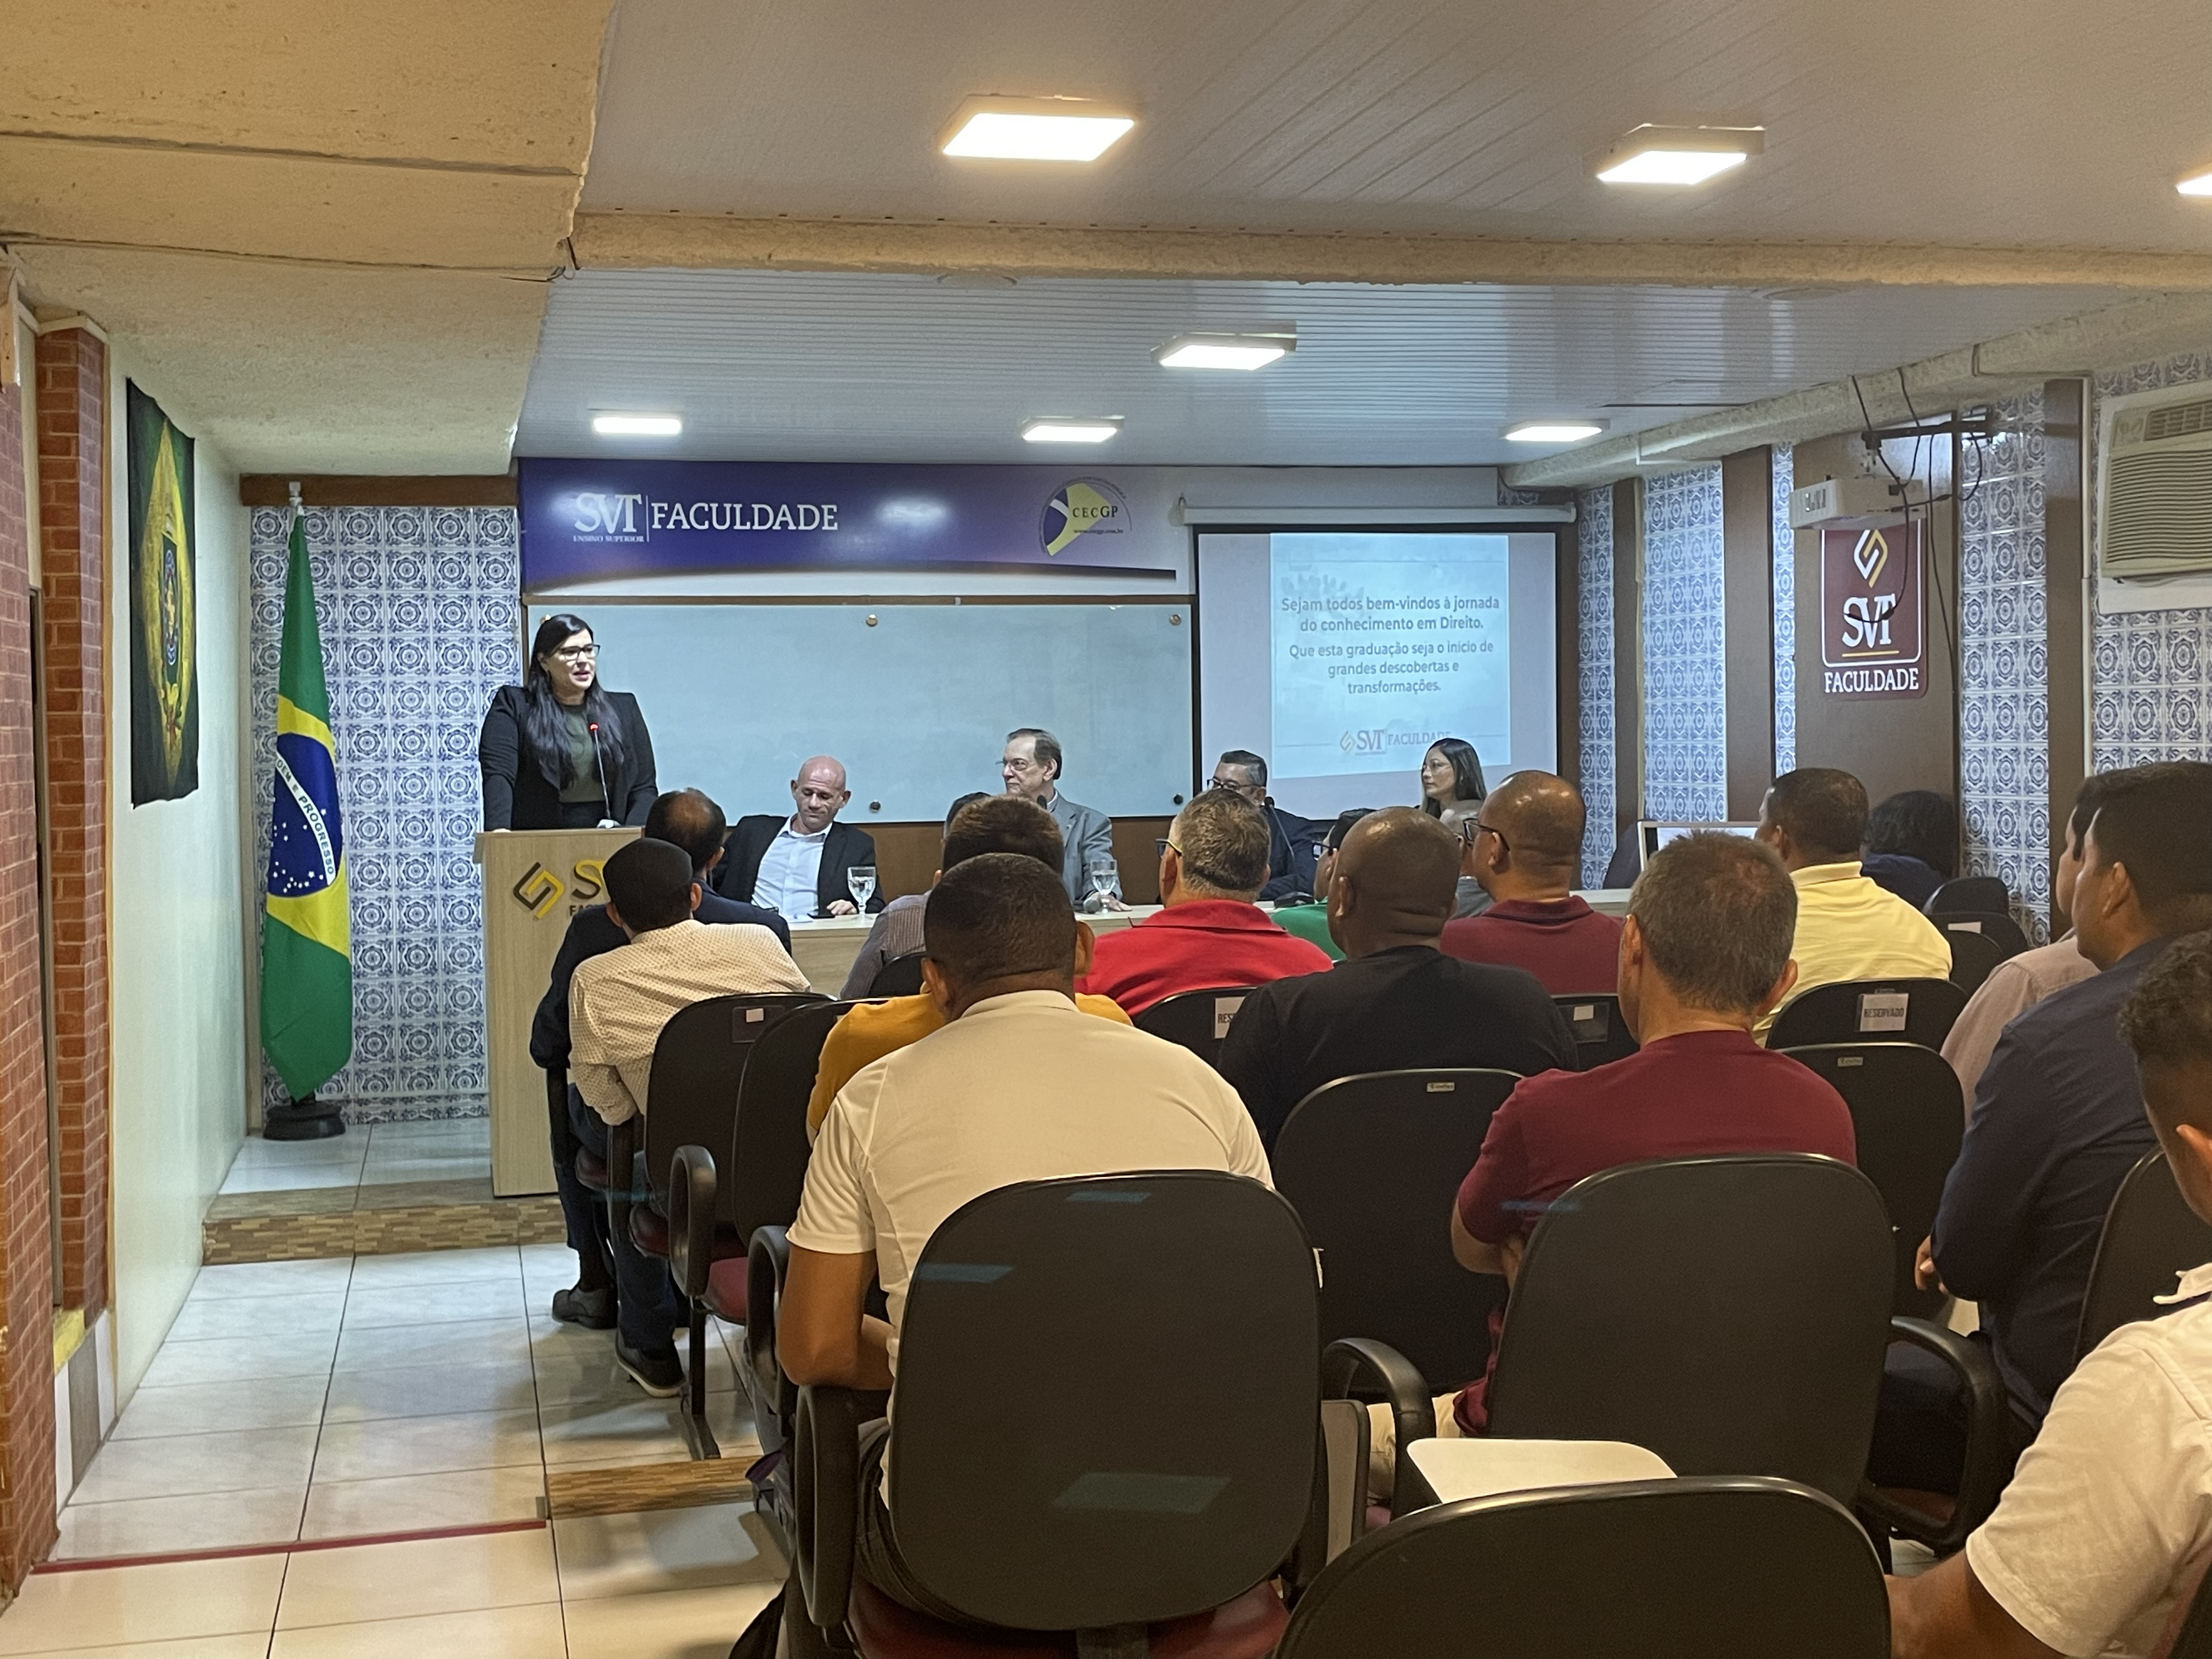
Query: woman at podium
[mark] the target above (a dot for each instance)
(561, 751)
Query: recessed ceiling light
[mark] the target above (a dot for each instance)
(1254, 350)
(636, 426)
(1678, 155)
(1034, 129)
(2196, 184)
(1071, 428)
(1553, 432)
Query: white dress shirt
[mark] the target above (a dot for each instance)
(791, 873)
(618, 1002)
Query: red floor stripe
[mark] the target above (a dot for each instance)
(297, 1545)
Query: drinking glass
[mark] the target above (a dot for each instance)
(860, 882)
(1105, 876)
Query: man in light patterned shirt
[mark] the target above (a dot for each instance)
(617, 1003)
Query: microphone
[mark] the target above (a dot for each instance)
(606, 796)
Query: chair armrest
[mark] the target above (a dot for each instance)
(691, 1220)
(622, 1184)
(1988, 1456)
(1342, 1365)
(775, 1398)
(826, 1498)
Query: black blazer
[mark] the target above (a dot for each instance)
(748, 843)
(515, 793)
(1293, 850)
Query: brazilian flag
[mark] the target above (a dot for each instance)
(307, 954)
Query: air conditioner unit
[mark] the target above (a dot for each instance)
(2154, 489)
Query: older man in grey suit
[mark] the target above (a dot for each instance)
(1030, 767)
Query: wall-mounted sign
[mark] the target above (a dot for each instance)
(592, 520)
(1874, 618)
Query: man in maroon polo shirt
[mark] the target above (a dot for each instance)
(1704, 956)
(1210, 932)
(1524, 846)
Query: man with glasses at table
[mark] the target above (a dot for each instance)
(1030, 765)
(1524, 844)
(1293, 842)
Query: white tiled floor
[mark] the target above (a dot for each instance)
(390, 1395)
(452, 1149)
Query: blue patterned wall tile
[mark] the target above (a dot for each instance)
(1685, 734)
(1785, 614)
(1594, 627)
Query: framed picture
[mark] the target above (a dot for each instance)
(165, 682)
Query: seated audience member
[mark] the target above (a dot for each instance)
(1211, 931)
(617, 1003)
(690, 820)
(897, 931)
(1704, 952)
(2018, 983)
(796, 865)
(1293, 842)
(1525, 848)
(1017, 1086)
(1848, 928)
(1470, 898)
(2099, 1543)
(1912, 845)
(996, 824)
(1310, 921)
(2059, 1119)
(1396, 1001)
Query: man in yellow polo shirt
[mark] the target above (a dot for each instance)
(1848, 928)
(996, 824)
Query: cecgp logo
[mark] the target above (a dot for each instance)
(1081, 506)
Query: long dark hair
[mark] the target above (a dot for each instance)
(1920, 824)
(544, 727)
(1467, 772)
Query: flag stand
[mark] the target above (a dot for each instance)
(302, 1120)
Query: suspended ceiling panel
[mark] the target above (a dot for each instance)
(795, 366)
(1991, 121)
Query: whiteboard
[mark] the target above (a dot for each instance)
(915, 699)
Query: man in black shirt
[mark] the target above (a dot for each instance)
(1396, 1001)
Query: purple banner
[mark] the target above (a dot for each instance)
(593, 520)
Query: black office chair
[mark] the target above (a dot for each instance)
(1973, 895)
(1373, 1164)
(1974, 957)
(1602, 1036)
(899, 977)
(1908, 1116)
(1868, 1011)
(1106, 1420)
(1198, 1020)
(1688, 1569)
(1996, 925)
(2194, 1639)
(1650, 1308)
(2150, 1236)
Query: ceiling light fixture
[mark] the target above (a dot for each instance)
(1678, 155)
(2198, 183)
(1553, 432)
(1070, 429)
(1252, 350)
(636, 426)
(1033, 129)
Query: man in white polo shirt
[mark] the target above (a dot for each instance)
(2101, 1538)
(1020, 1086)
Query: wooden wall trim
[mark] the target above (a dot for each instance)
(343, 489)
(1748, 627)
(1628, 653)
(2066, 646)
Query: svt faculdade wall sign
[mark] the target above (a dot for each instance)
(1874, 617)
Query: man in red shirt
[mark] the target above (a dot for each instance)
(1525, 845)
(1704, 956)
(1210, 932)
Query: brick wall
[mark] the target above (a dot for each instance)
(26, 1396)
(72, 512)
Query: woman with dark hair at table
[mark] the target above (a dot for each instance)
(1912, 845)
(1450, 771)
(561, 751)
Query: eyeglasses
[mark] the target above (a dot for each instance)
(575, 653)
(1470, 827)
(1236, 788)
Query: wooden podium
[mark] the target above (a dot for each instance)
(534, 880)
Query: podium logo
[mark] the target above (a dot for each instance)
(1082, 507)
(538, 890)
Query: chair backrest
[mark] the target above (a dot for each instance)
(768, 1147)
(1984, 894)
(1921, 1011)
(1199, 1020)
(1372, 1165)
(1996, 925)
(1974, 957)
(2150, 1235)
(1730, 1314)
(2193, 1639)
(692, 1100)
(1908, 1114)
(1689, 1569)
(1601, 1036)
(899, 977)
(1114, 1380)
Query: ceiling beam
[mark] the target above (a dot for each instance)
(706, 241)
